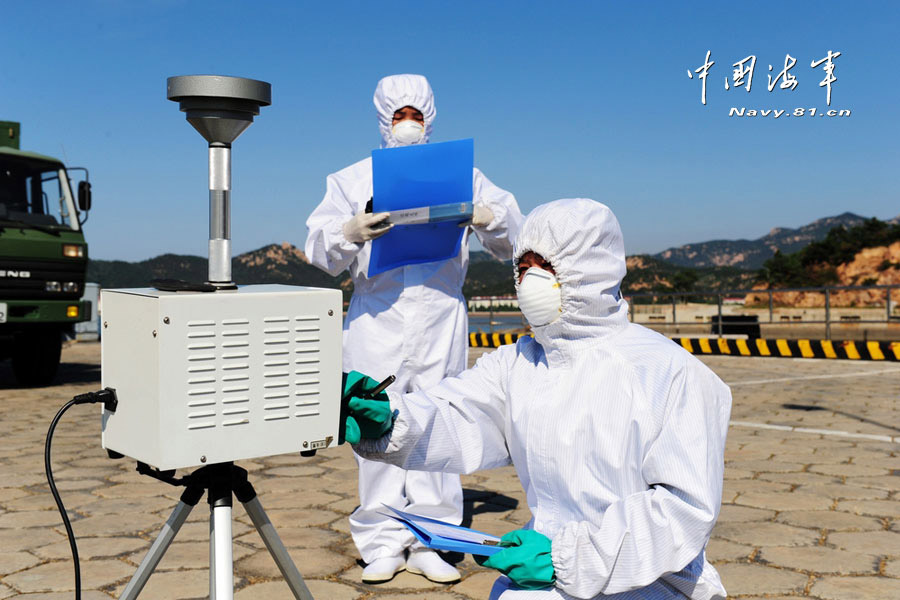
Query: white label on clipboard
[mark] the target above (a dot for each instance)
(410, 216)
(455, 211)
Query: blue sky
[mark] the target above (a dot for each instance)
(563, 99)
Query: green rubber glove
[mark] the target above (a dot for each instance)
(352, 435)
(367, 383)
(368, 418)
(526, 560)
(373, 417)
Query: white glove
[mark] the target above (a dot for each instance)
(482, 216)
(364, 226)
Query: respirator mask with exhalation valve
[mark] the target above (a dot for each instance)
(540, 297)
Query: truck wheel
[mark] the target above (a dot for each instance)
(35, 358)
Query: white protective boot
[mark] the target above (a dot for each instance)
(432, 566)
(383, 569)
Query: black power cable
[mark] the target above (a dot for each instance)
(108, 398)
(62, 509)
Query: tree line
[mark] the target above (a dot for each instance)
(816, 264)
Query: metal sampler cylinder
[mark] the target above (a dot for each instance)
(220, 108)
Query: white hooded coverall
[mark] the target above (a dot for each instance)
(617, 434)
(411, 321)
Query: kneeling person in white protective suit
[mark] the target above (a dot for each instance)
(617, 433)
(410, 321)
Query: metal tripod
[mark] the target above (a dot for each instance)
(222, 480)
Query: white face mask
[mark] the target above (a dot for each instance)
(408, 132)
(540, 298)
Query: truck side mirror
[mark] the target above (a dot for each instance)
(84, 195)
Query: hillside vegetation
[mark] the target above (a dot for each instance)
(751, 254)
(488, 276)
(818, 264)
(651, 274)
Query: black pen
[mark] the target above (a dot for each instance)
(356, 389)
(501, 543)
(381, 386)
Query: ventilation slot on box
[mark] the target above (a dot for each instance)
(202, 375)
(218, 373)
(235, 399)
(276, 411)
(306, 381)
(290, 348)
(203, 419)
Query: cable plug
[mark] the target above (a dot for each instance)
(107, 396)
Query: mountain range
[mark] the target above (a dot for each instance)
(751, 254)
(276, 263)
(717, 264)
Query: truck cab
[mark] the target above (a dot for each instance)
(43, 258)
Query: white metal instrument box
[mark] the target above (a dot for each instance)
(212, 377)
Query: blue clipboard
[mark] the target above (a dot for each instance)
(438, 535)
(414, 177)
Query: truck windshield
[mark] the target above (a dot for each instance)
(35, 193)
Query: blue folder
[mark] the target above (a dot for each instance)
(413, 177)
(438, 535)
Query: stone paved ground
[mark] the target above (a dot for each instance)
(804, 514)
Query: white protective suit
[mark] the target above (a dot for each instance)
(410, 321)
(617, 434)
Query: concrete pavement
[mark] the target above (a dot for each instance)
(810, 505)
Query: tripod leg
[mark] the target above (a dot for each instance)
(221, 571)
(159, 547)
(276, 548)
(212, 557)
(221, 578)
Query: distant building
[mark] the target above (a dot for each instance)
(497, 302)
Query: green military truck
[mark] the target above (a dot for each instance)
(43, 258)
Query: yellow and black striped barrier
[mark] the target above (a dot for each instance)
(493, 340)
(848, 350)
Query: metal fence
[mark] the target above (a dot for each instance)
(716, 312)
(495, 313)
(872, 304)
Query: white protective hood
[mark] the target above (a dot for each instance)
(395, 92)
(583, 242)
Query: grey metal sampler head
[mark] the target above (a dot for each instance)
(221, 108)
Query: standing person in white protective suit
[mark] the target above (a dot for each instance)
(616, 433)
(411, 321)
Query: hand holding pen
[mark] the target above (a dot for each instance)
(366, 416)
